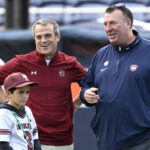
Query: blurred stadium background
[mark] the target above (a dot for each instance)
(82, 34)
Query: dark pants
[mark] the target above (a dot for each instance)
(143, 146)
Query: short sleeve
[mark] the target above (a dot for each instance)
(5, 125)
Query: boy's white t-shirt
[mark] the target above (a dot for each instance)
(11, 132)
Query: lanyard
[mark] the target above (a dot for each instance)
(21, 127)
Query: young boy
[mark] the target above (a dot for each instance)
(18, 130)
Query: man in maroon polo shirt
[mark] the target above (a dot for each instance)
(51, 102)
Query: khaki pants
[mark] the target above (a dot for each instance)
(65, 147)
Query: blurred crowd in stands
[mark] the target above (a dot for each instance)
(74, 11)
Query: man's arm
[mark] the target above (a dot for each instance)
(2, 95)
(77, 103)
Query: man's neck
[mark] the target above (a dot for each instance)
(131, 38)
(49, 57)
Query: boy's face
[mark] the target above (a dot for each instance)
(19, 97)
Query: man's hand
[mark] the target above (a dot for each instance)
(90, 95)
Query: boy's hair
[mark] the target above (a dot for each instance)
(12, 90)
(120, 6)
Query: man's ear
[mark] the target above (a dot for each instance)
(58, 37)
(129, 23)
(8, 93)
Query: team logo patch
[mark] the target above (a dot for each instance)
(106, 63)
(61, 73)
(133, 67)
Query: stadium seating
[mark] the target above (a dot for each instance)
(54, 9)
(89, 10)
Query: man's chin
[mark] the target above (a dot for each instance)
(45, 52)
(113, 42)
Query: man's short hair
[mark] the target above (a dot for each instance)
(120, 6)
(44, 22)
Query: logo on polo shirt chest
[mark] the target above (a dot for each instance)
(33, 72)
(105, 67)
(133, 68)
(61, 73)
